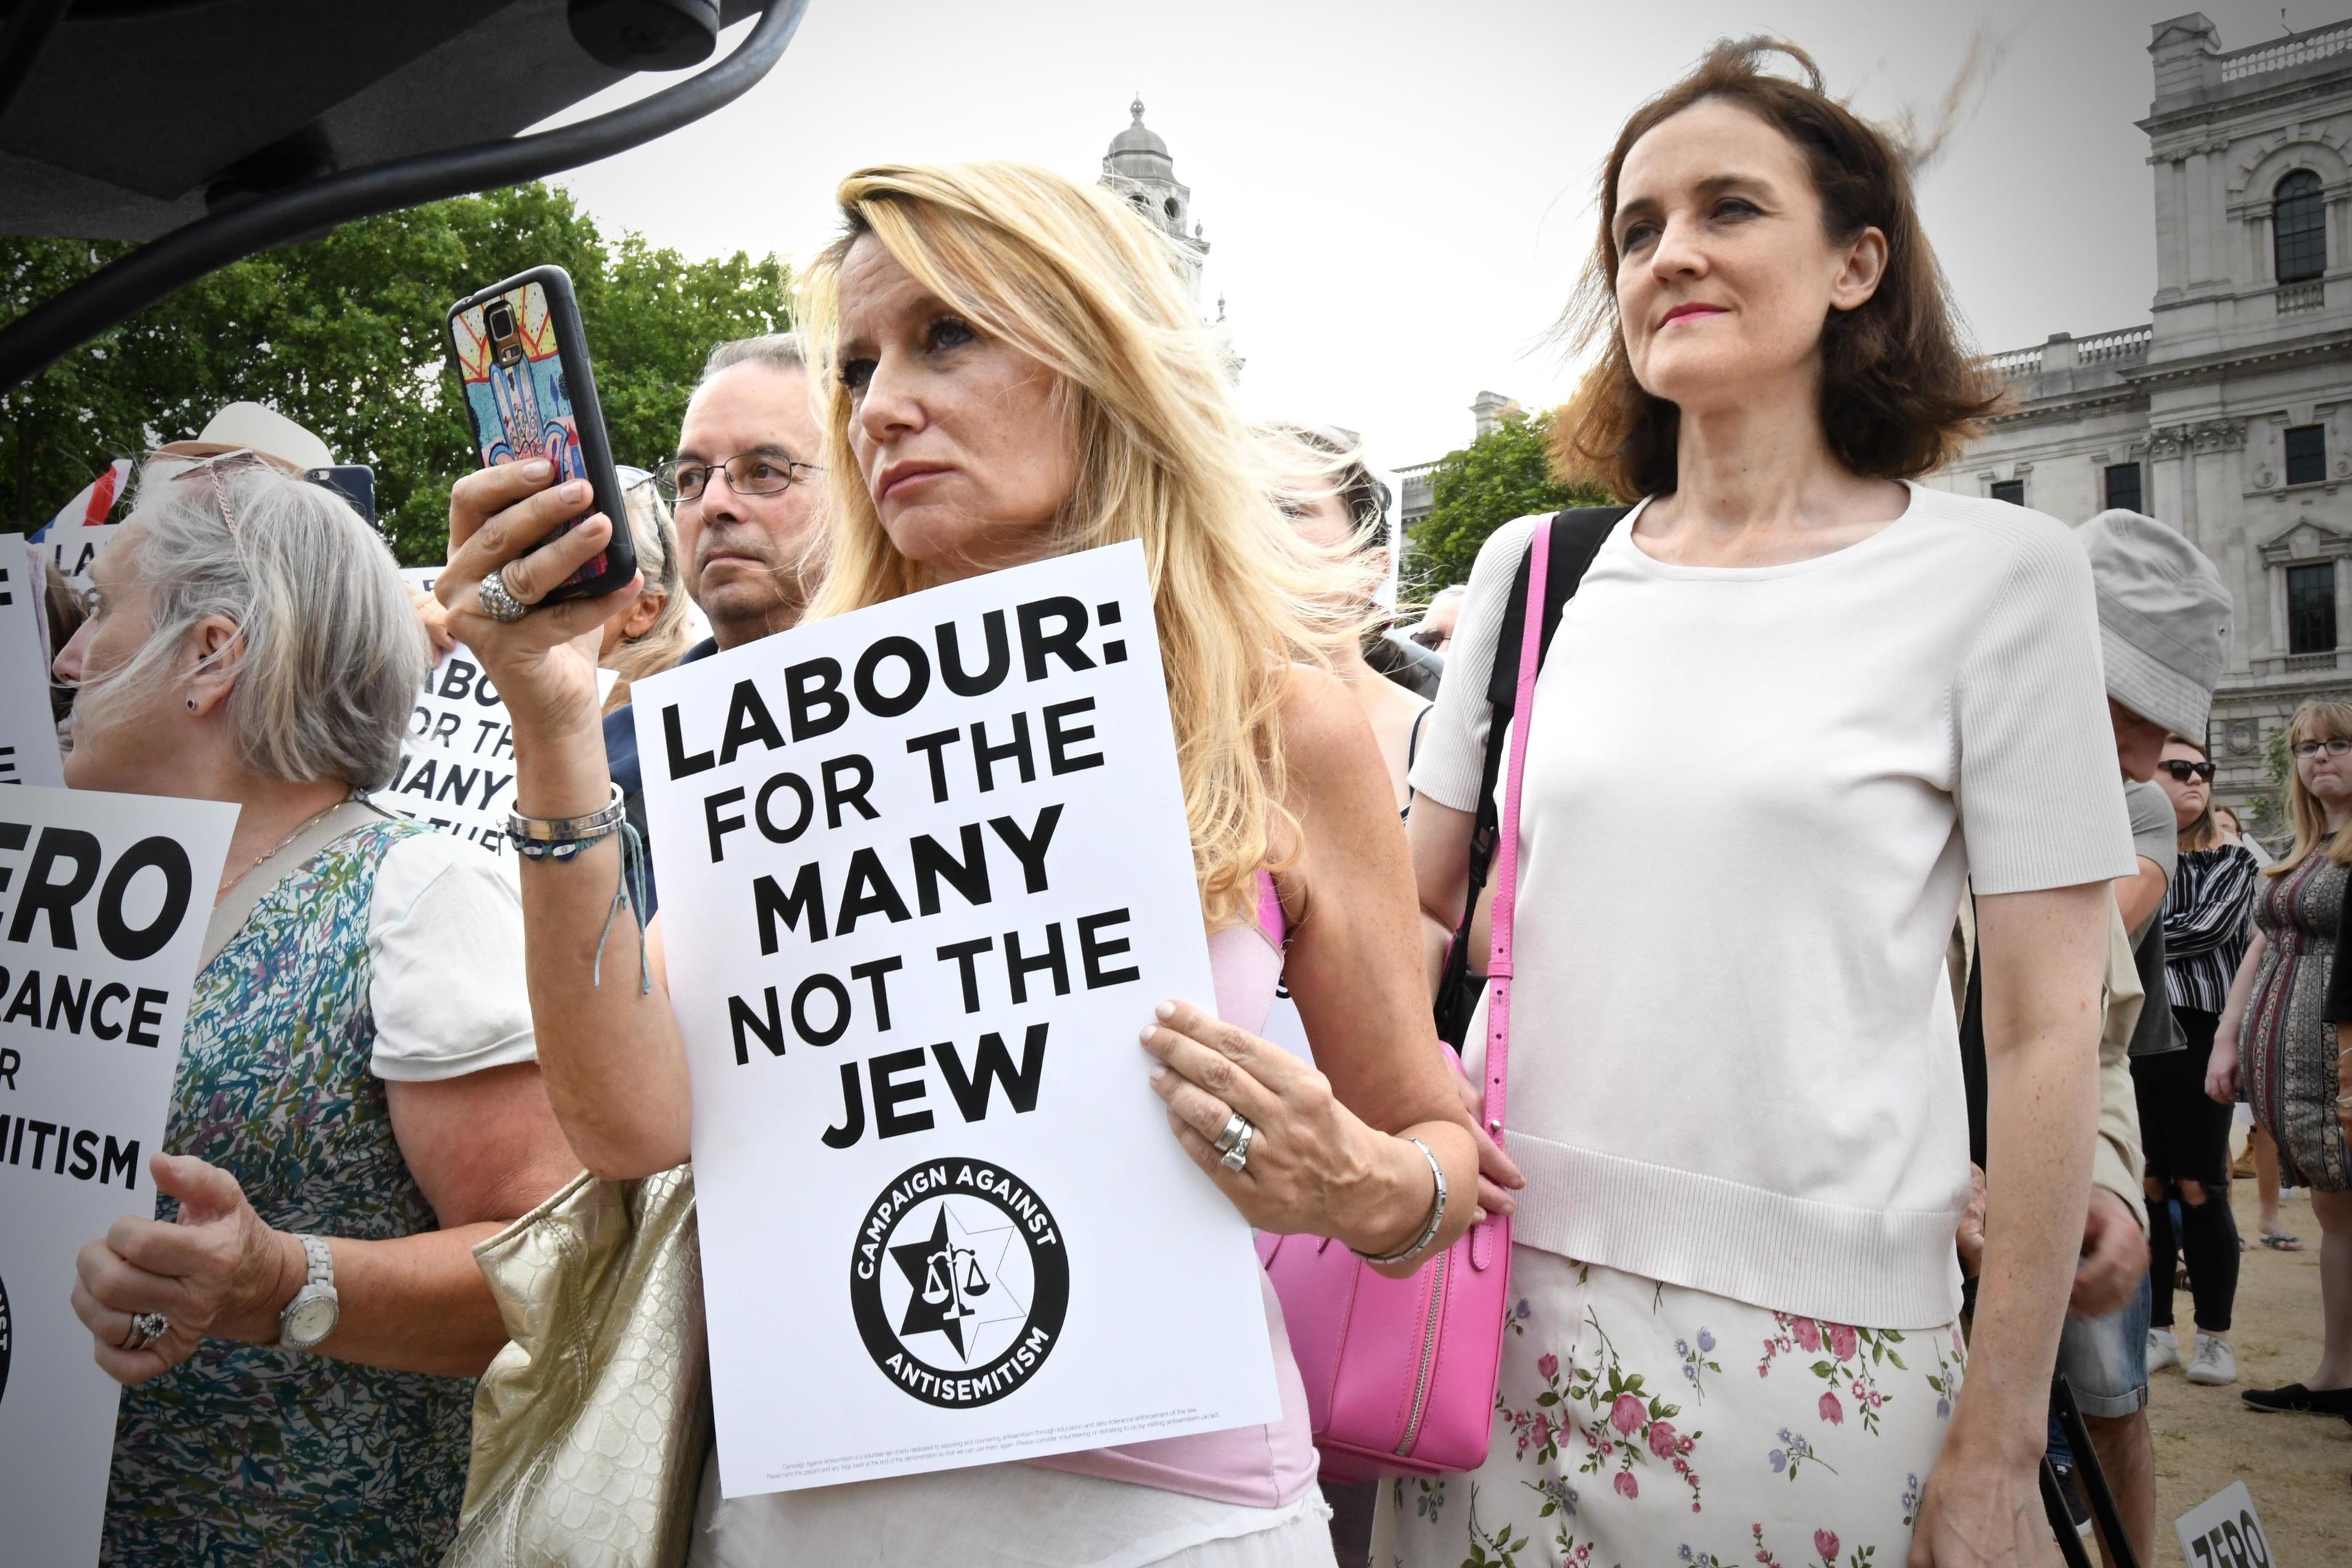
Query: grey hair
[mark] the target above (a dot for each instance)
(328, 653)
(660, 645)
(777, 350)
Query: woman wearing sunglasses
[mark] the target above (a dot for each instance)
(2288, 1012)
(357, 1101)
(2184, 1133)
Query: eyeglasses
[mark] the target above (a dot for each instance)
(2336, 746)
(631, 478)
(747, 474)
(215, 468)
(2183, 771)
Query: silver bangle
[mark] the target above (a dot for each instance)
(563, 829)
(1428, 1232)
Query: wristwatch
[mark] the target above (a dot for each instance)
(312, 1315)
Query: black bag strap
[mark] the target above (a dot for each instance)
(1577, 535)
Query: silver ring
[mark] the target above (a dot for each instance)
(1235, 1125)
(1238, 1155)
(145, 1330)
(497, 601)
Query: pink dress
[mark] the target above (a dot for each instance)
(1261, 1467)
(1238, 1499)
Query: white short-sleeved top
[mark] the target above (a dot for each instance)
(445, 949)
(1752, 794)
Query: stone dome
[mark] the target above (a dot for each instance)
(1138, 152)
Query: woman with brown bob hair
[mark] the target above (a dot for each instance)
(1736, 1093)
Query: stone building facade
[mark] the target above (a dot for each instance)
(1419, 481)
(2229, 414)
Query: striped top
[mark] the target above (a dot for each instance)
(2205, 925)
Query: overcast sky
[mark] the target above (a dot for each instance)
(1398, 195)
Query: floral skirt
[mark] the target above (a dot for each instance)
(1642, 1423)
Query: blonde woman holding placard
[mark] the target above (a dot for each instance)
(1007, 361)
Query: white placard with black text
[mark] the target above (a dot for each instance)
(103, 904)
(926, 873)
(457, 770)
(2224, 1532)
(73, 549)
(28, 730)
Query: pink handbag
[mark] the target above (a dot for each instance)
(1400, 1374)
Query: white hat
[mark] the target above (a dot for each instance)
(251, 427)
(2164, 619)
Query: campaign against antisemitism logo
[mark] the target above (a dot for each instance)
(959, 1282)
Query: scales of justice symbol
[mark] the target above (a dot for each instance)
(959, 1281)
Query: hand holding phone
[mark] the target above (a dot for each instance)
(521, 353)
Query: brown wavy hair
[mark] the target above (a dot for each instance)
(1899, 392)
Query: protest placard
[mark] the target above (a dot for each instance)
(101, 922)
(73, 549)
(28, 730)
(2223, 1531)
(926, 873)
(457, 770)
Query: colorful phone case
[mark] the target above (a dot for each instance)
(522, 397)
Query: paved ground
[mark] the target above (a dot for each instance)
(2298, 1468)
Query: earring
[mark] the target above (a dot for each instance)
(192, 704)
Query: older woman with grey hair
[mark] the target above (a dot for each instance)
(357, 1099)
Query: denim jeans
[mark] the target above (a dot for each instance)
(2105, 1358)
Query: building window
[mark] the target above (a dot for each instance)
(2306, 454)
(2122, 487)
(2298, 227)
(2010, 491)
(2311, 608)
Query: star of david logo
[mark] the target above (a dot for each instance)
(956, 1278)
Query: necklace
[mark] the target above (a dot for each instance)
(299, 828)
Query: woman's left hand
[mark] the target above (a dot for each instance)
(1981, 1510)
(1314, 1167)
(216, 1273)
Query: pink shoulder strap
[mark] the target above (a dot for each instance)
(1270, 919)
(1500, 959)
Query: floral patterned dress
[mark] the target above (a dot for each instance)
(2289, 1045)
(1630, 1425)
(249, 1454)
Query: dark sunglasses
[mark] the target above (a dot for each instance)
(2183, 771)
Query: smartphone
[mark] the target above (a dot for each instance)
(356, 482)
(522, 357)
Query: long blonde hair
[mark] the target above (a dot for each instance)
(2320, 719)
(1068, 276)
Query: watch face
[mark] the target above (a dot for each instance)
(309, 1321)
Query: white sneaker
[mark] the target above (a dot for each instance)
(2163, 1349)
(2213, 1363)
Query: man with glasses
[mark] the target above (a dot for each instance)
(749, 501)
(748, 493)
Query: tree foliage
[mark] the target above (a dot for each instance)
(1501, 475)
(344, 334)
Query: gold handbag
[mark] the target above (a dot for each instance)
(591, 1427)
